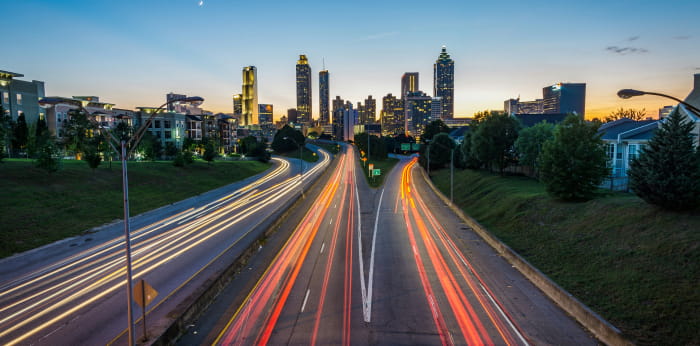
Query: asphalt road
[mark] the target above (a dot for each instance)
(73, 292)
(389, 266)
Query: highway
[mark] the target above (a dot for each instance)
(390, 266)
(76, 295)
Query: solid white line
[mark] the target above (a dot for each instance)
(371, 262)
(322, 247)
(305, 298)
(363, 288)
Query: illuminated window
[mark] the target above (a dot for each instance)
(19, 99)
(5, 97)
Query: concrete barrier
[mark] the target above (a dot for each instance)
(598, 326)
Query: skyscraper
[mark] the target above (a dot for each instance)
(370, 110)
(418, 109)
(249, 104)
(237, 104)
(392, 116)
(265, 114)
(565, 98)
(292, 115)
(444, 83)
(409, 83)
(304, 90)
(324, 98)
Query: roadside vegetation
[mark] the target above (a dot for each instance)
(377, 154)
(37, 208)
(635, 264)
(634, 260)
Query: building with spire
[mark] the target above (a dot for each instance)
(304, 90)
(324, 98)
(444, 83)
(249, 102)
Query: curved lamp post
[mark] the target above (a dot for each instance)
(628, 93)
(131, 143)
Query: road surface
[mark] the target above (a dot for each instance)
(390, 266)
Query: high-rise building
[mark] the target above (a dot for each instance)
(237, 104)
(361, 114)
(338, 103)
(565, 98)
(515, 106)
(249, 105)
(265, 114)
(436, 109)
(304, 90)
(370, 110)
(292, 115)
(392, 116)
(324, 98)
(418, 110)
(444, 83)
(409, 83)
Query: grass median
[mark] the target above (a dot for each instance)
(634, 264)
(384, 167)
(37, 208)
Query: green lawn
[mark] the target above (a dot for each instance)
(332, 148)
(37, 208)
(636, 265)
(384, 165)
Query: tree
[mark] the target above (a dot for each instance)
(20, 133)
(530, 142)
(150, 146)
(49, 158)
(78, 131)
(92, 157)
(210, 151)
(433, 128)
(170, 149)
(634, 114)
(493, 138)
(294, 139)
(439, 150)
(667, 172)
(573, 162)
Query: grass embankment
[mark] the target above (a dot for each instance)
(37, 208)
(332, 148)
(634, 264)
(384, 165)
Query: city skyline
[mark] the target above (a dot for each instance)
(125, 55)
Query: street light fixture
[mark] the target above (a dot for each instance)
(132, 143)
(628, 93)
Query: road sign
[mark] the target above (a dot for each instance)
(144, 293)
(405, 146)
(376, 172)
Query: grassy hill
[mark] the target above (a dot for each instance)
(634, 264)
(37, 208)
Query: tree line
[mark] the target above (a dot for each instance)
(570, 158)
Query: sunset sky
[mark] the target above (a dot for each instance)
(132, 53)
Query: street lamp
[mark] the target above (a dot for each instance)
(132, 143)
(628, 93)
(301, 162)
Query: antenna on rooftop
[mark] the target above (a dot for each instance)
(324, 64)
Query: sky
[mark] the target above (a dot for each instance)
(132, 53)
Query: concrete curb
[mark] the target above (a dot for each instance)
(598, 326)
(199, 301)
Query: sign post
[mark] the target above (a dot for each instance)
(144, 295)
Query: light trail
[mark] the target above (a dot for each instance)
(34, 302)
(256, 318)
(437, 242)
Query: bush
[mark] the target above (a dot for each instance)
(573, 162)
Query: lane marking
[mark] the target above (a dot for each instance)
(323, 246)
(305, 299)
(368, 303)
